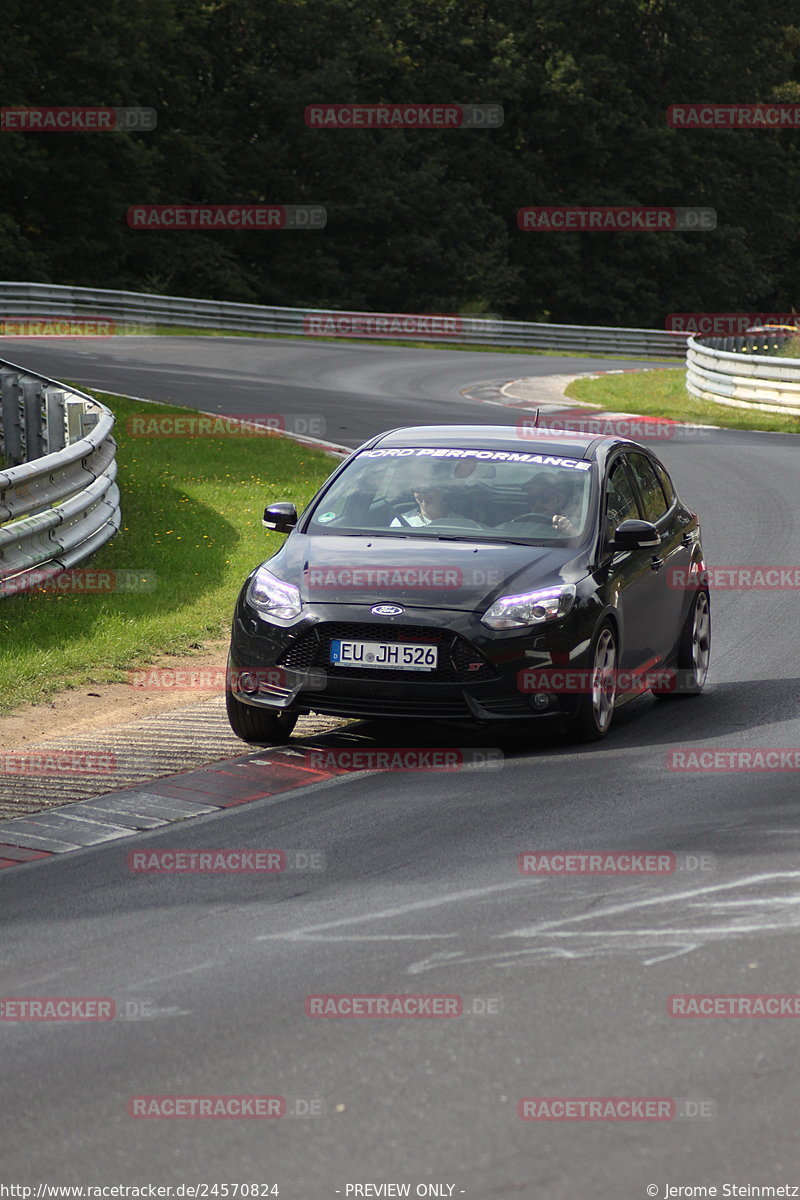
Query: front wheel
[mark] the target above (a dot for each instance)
(693, 652)
(595, 712)
(263, 725)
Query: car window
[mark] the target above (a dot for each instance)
(621, 502)
(655, 503)
(666, 483)
(523, 494)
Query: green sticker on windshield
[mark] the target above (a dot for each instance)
(327, 516)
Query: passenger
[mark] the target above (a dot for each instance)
(569, 505)
(546, 495)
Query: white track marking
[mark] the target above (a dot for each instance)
(399, 911)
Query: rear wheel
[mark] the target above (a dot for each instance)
(253, 724)
(693, 652)
(595, 712)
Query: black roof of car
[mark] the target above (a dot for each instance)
(495, 437)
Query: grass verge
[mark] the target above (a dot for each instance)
(662, 393)
(438, 344)
(191, 518)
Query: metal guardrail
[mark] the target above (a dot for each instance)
(59, 501)
(139, 308)
(737, 372)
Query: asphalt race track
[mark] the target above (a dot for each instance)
(564, 979)
(349, 391)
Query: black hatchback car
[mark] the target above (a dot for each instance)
(474, 573)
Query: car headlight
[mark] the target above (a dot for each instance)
(272, 597)
(530, 608)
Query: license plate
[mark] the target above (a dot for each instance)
(402, 656)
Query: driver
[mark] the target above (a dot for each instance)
(431, 504)
(546, 495)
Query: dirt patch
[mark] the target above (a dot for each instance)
(97, 706)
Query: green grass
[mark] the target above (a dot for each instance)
(191, 517)
(662, 393)
(789, 349)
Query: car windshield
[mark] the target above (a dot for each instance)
(458, 493)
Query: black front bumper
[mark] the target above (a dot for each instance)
(477, 678)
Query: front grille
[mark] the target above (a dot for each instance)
(302, 654)
(364, 706)
(511, 706)
(457, 658)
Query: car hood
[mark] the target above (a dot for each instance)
(418, 573)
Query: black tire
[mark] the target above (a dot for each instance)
(693, 652)
(261, 725)
(595, 712)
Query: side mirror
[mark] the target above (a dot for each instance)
(281, 517)
(631, 535)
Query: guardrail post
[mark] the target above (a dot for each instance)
(56, 430)
(34, 418)
(12, 426)
(88, 421)
(74, 426)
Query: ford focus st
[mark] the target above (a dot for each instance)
(472, 573)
